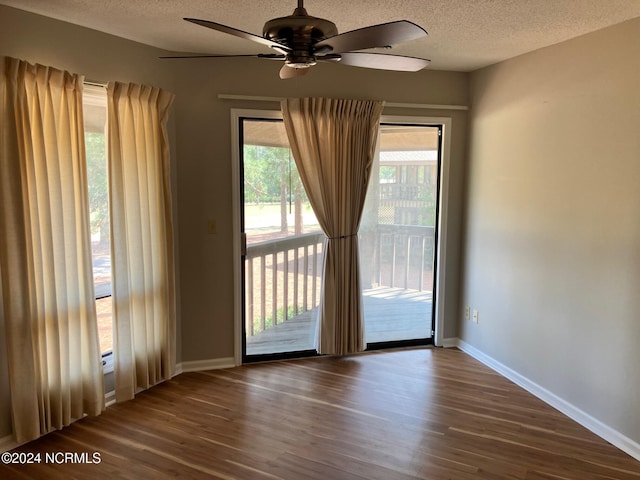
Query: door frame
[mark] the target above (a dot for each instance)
(237, 114)
(441, 252)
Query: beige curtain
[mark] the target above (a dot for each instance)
(141, 237)
(333, 143)
(55, 367)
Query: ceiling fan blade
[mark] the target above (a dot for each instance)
(383, 35)
(330, 57)
(383, 61)
(269, 56)
(239, 33)
(292, 72)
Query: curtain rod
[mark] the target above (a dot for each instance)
(255, 98)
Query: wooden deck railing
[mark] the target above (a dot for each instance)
(283, 276)
(282, 279)
(405, 256)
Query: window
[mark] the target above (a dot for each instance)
(95, 124)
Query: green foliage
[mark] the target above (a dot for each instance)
(428, 217)
(97, 178)
(268, 322)
(387, 173)
(267, 171)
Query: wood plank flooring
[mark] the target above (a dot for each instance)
(425, 413)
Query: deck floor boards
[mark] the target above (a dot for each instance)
(390, 314)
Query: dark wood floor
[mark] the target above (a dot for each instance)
(421, 413)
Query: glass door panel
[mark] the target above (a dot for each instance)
(398, 235)
(284, 245)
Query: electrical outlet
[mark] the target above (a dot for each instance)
(475, 316)
(467, 311)
(211, 227)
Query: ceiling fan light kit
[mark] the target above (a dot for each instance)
(302, 41)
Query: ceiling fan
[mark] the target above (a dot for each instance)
(302, 41)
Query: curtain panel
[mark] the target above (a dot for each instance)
(333, 143)
(141, 237)
(53, 353)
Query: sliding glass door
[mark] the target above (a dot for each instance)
(283, 252)
(284, 246)
(398, 236)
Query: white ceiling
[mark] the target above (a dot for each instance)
(464, 35)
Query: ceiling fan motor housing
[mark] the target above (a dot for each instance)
(300, 32)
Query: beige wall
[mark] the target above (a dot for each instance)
(201, 151)
(552, 248)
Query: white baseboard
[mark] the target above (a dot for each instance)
(202, 365)
(110, 398)
(609, 434)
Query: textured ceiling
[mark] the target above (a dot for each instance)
(464, 35)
